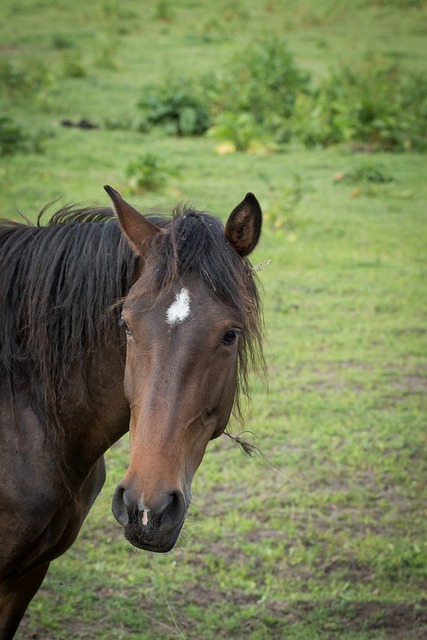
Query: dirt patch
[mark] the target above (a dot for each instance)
(397, 620)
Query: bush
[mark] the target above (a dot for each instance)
(25, 81)
(367, 172)
(240, 129)
(176, 107)
(376, 104)
(148, 173)
(14, 139)
(73, 65)
(263, 81)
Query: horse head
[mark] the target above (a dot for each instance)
(188, 320)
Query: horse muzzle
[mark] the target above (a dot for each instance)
(154, 525)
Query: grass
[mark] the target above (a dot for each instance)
(323, 535)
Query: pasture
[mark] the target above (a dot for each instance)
(322, 534)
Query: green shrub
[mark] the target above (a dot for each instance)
(73, 65)
(60, 41)
(240, 129)
(176, 107)
(164, 12)
(263, 80)
(376, 104)
(27, 80)
(148, 173)
(367, 172)
(14, 139)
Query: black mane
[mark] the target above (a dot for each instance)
(59, 284)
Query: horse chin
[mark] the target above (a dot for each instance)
(152, 541)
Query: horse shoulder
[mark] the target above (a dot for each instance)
(40, 513)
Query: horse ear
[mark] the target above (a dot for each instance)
(134, 225)
(243, 227)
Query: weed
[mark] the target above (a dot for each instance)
(73, 65)
(177, 107)
(367, 172)
(148, 173)
(61, 42)
(114, 10)
(280, 215)
(264, 82)
(164, 12)
(106, 53)
(14, 139)
(240, 129)
(27, 80)
(380, 105)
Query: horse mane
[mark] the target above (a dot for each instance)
(59, 285)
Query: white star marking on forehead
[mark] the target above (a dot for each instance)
(179, 309)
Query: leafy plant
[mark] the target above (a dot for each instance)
(73, 65)
(164, 11)
(148, 173)
(367, 172)
(27, 80)
(116, 11)
(240, 129)
(281, 213)
(106, 53)
(14, 139)
(263, 81)
(60, 41)
(176, 107)
(377, 104)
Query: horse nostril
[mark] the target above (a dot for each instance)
(119, 507)
(173, 510)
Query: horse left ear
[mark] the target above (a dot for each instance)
(135, 226)
(243, 227)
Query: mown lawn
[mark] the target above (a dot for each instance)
(322, 534)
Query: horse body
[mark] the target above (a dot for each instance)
(76, 372)
(43, 504)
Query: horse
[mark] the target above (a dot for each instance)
(112, 321)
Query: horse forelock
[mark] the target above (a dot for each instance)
(196, 244)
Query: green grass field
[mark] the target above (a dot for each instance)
(323, 534)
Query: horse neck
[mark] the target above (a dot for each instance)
(96, 412)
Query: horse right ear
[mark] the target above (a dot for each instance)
(243, 227)
(134, 225)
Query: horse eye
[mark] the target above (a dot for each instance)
(229, 338)
(123, 323)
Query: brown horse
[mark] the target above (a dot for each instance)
(167, 305)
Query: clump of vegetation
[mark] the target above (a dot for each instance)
(264, 81)
(376, 104)
(164, 11)
(29, 79)
(241, 130)
(264, 97)
(149, 172)
(178, 108)
(263, 84)
(59, 41)
(115, 10)
(73, 65)
(281, 213)
(373, 172)
(14, 139)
